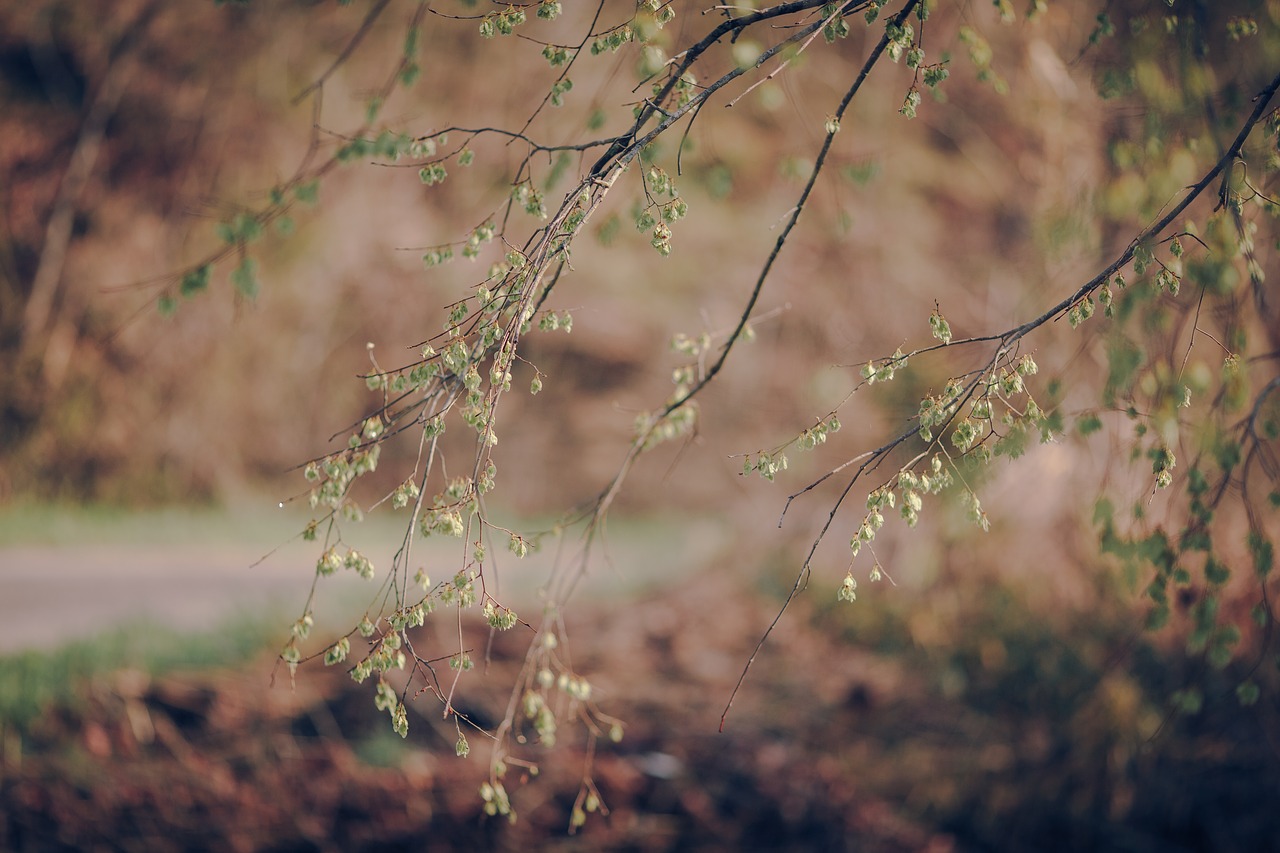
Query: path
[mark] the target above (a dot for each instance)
(55, 592)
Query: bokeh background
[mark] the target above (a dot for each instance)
(998, 693)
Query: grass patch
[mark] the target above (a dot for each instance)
(33, 681)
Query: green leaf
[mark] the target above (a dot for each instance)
(1089, 424)
(245, 278)
(432, 173)
(910, 103)
(195, 280)
(1219, 655)
(939, 326)
(1197, 540)
(337, 653)
(1189, 701)
(307, 192)
(1123, 360)
(353, 150)
(1103, 512)
(1227, 455)
(1156, 550)
(1206, 612)
(247, 228)
(861, 172)
(1262, 551)
(934, 75)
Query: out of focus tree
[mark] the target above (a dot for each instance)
(590, 129)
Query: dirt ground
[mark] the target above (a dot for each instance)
(842, 739)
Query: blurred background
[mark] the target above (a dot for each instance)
(996, 691)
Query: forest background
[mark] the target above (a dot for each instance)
(999, 691)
